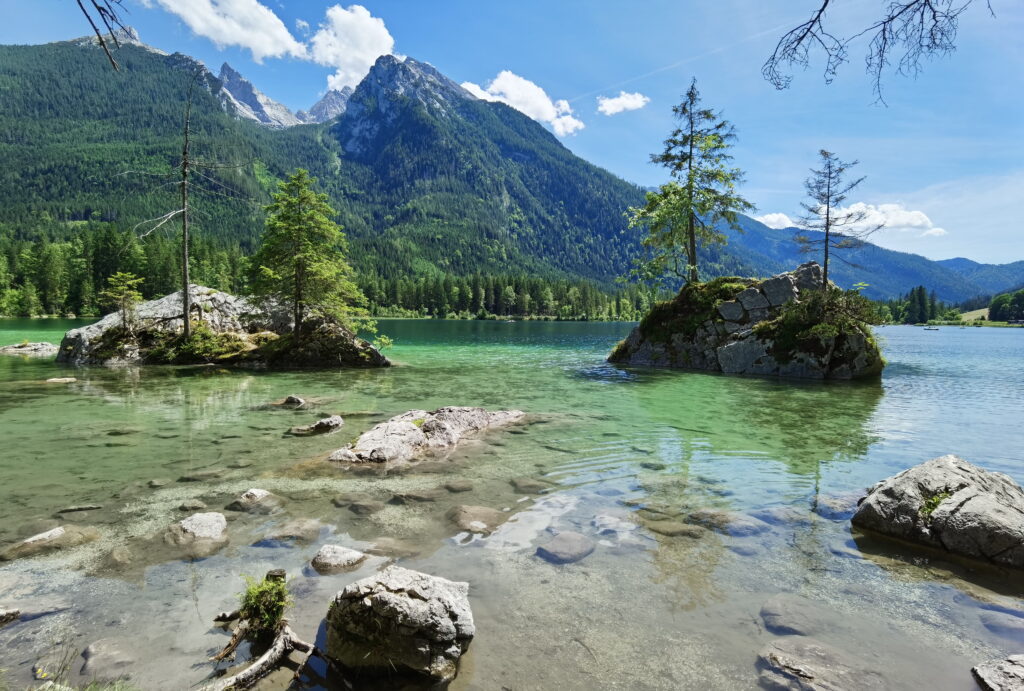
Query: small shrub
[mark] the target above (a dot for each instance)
(263, 604)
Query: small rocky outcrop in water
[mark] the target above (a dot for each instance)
(401, 620)
(30, 349)
(418, 433)
(1001, 675)
(950, 504)
(733, 325)
(61, 537)
(228, 330)
(200, 535)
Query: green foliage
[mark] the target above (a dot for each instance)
(263, 605)
(1006, 307)
(931, 503)
(203, 346)
(919, 306)
(694, 305)
(122, 294)
(301, 261)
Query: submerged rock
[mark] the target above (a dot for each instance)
(41, 349)
(419, 433)
(323, 426)
(1005, 674)
(799, 663)
(566, 548)
(729, 325)
(256, 501)
(728, 522)
(950, 504)
(400, 620)
(61, 537)
(297, 530)
(108, 660)
(455, 486)
(529, 485)
(201, 534)
(476, 519)
(335, 558)
(792, 615)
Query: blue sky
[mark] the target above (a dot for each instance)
(944, 160)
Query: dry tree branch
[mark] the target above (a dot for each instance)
(160, 221)
(107, 12)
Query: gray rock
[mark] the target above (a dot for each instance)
(792, 615)
(675, 529)
(347, 498)
(779, 290)
(202, 475)
(612, 525)
(950, 504)
(1003, 624)
(256, 501)
(30, 349)
(746, 355)
(566, 548)
(192, 505)
(419, 433)
(731, 310)
(293, 402)
(752, 299)
(836, 507)
(476, 519)
(799, 663)
(455, 486)
(61, 380)
(335, 558)
(325, 425)
(61, 537)
(365, 508)
(417, 496)
(108, 660)
(158, 483)
(400, 619)
(529, 485)
(297, 530)
(808, 276)
(200, 535)
(1005, 674)
(728, 522)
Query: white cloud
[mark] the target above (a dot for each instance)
(776, 220)
(302, 25)
(245, 23)
(350, 40)
(621, 103)
(527, 97)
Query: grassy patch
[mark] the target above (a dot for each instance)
(263, 604)
(694, 305)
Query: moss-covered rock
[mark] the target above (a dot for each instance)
(780, 326)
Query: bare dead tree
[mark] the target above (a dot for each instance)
(107, 13)
(841, 229)
(186, 293)
(909, 32)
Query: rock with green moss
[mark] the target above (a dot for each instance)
(743, 326)
(226, 330)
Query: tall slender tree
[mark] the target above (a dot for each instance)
(840, 228)
(685, 213)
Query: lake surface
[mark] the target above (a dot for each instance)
(644, 611)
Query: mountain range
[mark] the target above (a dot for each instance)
(427, 178)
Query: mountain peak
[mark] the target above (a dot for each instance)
(124, 36)
(251, 103)
(333, 104)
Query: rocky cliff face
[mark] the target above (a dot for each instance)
(732, 325)
(327, 108)
(253, 104)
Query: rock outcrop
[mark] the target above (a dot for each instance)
(1001, 674)
(235, 331)
(30, 349)
(419, 433)
(728, 325)
(950, 504)
(401, 620)
(200, 535)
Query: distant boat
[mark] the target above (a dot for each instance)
(931, 328)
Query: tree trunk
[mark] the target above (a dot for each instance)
(186, 295)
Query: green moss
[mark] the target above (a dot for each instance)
(695, 304)
(931, 503)
(418, 421)
(204, 346)
(263, 604)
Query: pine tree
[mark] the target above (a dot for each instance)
(301, 261)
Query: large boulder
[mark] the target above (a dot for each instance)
(30, 349)
(419, 433)
(727, 325)
(237, 332)
(401, 620)
(61, 537)
(199, 535)
(950, 504)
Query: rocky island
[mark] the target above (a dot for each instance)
(227, 330)
(745, 326)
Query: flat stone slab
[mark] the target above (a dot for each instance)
(676, 529)
(566, 547)
(61, 537)
(335, 558)
(41, 349)
(476, 519)
(799, 663)
(792, 615)
(1005, 674)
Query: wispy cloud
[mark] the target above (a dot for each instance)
(614, 105)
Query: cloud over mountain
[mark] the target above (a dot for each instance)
(529, 98)
(350, 40)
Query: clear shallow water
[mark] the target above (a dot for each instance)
(645, 611)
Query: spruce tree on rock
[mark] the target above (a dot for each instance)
(301, 261)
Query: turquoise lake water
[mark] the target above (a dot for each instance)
(644, 611)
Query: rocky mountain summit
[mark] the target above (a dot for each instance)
(228, 330)
(253, 104)
(333, 104)
(734, 325)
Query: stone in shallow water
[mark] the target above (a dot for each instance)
(417, 496)
(323, 426)
(201, 534)
(458, 486)
(299, 530)
(799, 663)
(792, 615)
(41, 349)
(201, 475)
(529, 485)
(158, 483)
(108, 660)
(192, 505)
(1001, 675)
(400, 620)
(729, 522)
(366, 508)
(61, 380)
(566, 547)
(57, 538)
(476, 519)
(394, 547)
(256, 500)
(676, 529)
(609, 525)
(335, 558)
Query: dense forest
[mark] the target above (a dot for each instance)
(919, 306)
(1007, 307)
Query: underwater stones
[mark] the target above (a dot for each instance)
(108, 660)
(729, 522)
(476, 519)
(202, 475)
(417, 496)
(366, 508)
(799, 663)
(401, 620)
(782, 515)
(608, 525)
(1006, 674)
(456, 486)
(1002, 624)
(566, 547)
(950, 504)
(192, 505)
(394, 547)
(417, 433)
(61, 537)
(323, 426)
(791, 615)
(529, 485)
(256, 501)
(201, 534)
(158, 483)
(41, 349)
(119, 557)
(79, 508)
(297, 530)
(836, 507)
(335, 558)
(675, 529)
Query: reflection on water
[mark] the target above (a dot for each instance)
(634, 456)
